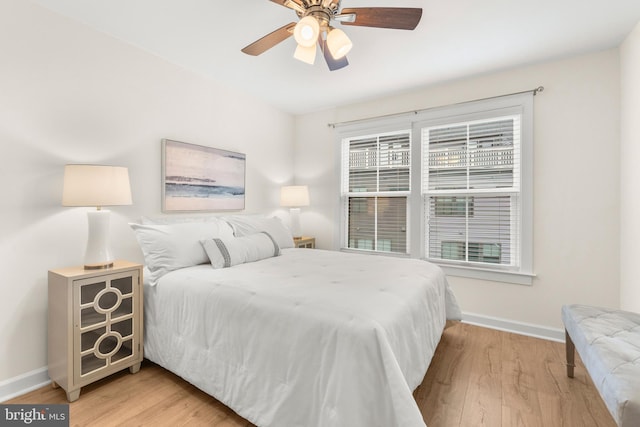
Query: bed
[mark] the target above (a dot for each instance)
(302, 337)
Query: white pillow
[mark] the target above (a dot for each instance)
(168, 247)
(227, 252)
(244, 225)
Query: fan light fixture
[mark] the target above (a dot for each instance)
(338, 42)
(313, 28)
(306, 54)
(306, 31)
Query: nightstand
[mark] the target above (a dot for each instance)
(95, 324)
(305, 242)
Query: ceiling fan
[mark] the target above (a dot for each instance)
(314, 28)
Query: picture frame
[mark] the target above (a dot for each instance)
(201, 178)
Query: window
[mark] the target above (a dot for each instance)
(471, 191)
(455, 187)
(376, 183)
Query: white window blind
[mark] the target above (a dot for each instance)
(376, 178)
(471, 192)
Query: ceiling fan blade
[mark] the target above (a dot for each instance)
(333, 64)
(270, 40)
(400, 18)
(291, 4)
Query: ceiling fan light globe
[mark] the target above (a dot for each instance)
(306, 31)
(305, 54)
(339, 44)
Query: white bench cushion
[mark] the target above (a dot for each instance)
(608, 342)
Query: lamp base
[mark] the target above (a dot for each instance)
(98, 266)
(296, 230)
(98, 255)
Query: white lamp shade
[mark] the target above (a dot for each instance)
(305, 54)
(338, 42)
(96, 185)
(306, 31)
(294, 196)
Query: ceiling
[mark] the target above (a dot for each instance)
(455, 39)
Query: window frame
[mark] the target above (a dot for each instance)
(468, 191)
(521, 103)
(345, 195)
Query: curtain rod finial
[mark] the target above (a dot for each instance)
(538, 90)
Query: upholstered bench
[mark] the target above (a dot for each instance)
(608, 342)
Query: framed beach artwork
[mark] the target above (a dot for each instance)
(199, 178)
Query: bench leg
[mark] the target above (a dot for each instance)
(570, 349)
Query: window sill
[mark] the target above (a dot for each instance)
(504, 276)
(377, 253)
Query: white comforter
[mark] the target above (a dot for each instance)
(309, 338)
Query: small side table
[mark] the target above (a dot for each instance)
(95, 324)
(305, 242)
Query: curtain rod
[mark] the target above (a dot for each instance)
(333, 125)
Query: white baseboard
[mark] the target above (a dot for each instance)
(531, 330)
(24, 383)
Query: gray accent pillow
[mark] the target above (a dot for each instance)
(224, 252)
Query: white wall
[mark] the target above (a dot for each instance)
(69, 94)
(576, 182)
(316, 160)
(630, 172)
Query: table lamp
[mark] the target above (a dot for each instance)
(294, 197)
(96, 185)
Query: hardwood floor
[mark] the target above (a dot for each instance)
(484, 377)
(478, 377)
